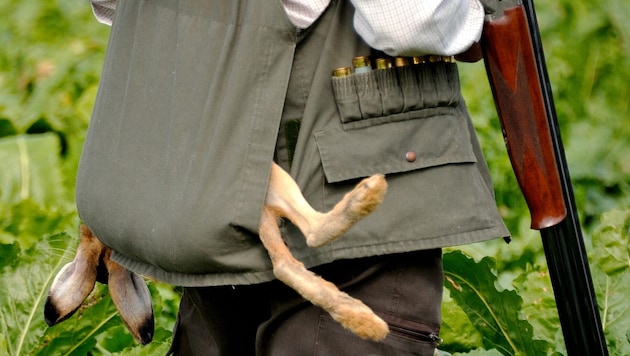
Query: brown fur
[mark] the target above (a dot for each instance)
(75, 281)
(284, 199)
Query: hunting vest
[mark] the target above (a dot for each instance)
(198, 97)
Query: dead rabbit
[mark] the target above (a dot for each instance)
(92, 262)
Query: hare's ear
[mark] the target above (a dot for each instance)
(75, 280)
(132, 298)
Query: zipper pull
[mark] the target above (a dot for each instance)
(438, 341)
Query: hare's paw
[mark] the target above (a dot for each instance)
(358, 203)
(364, 198)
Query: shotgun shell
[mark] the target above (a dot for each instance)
(401, 61)
(383, 63)
(435, 59)
(419, 60)
(361, 64)
(342, 72)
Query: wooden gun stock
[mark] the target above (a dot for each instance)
(511, 67)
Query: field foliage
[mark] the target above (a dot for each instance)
(499, 299)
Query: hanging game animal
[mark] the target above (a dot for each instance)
(92, 262)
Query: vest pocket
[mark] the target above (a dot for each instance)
(347, 98)
(395, 143)
(391, 93)
(410, 89)
(369, 95)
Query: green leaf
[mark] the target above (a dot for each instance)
(24, 289)
(611, 242)
(539, 304)
(612, 297)
(479, 352)
(495, 313)
(458, 333)
(33, 199)
(8, 254)
(30, 167)
(26, 223)
(159, 346)
(4, 346)
(118, 340)
(611, 278)
(78, 335)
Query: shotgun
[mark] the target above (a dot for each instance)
(515, 64)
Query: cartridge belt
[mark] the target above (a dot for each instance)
(391, 86)
(432, 59)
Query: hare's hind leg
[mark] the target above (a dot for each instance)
(286, 200)
(349, 312)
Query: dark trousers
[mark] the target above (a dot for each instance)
(271, 319)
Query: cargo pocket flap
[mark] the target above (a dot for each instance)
(399, 143)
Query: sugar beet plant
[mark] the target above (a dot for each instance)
(498, 298)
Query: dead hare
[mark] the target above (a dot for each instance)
(92, 262)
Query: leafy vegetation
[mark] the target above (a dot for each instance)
(499, 299)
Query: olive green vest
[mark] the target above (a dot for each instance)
(198, 97)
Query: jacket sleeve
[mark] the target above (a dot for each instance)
(415, 28)
(104, 10)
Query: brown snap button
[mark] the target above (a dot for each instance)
(410, 156)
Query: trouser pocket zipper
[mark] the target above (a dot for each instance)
(416, 335)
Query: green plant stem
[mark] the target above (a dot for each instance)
(91, 334)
